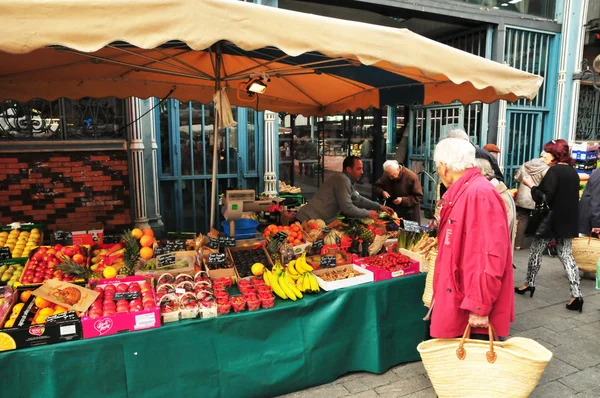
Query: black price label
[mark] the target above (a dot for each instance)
(175, 245)
(216, 258)
(166, 260)
(328, 262)
(63, 237)
(63, 317)
(212, 243)
(226, 241)
(282, 236)
(111, 239)
(5, 253)
(411, 226)
(159, 251)
(126, 296)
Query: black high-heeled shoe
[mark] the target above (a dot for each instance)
(530, 289)
(576, 305)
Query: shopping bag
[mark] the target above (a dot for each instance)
(463, 367)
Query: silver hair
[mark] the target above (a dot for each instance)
(458, 133)
(391, 165)
(486, 168)
(455, 153)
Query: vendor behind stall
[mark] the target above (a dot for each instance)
(338, 196)
(401, 189)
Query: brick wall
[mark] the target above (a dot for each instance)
(62, 187)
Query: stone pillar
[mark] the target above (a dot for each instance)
(567, 91)
(138, 175)
(271, 151)
(151, 165)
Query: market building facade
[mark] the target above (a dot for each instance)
(157, 149)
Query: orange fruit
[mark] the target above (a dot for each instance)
(149, 232)
(41, 319)
(59, 308)
(297, 242)
(146, 241)
(137, 233)
(146, 253)
(25, 296)
(46, 311)
(41, 303)
(7, 342)
(59, 311)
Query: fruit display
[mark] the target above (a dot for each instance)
(390, 261)
(340, 259)
(339, 274)
(20, 242)
(10, 274)
(108, 259)
(185, 297)
(293, 281)
(47, 261)
(294, 233)
(245, 257)
(122, 297)
(39, 312)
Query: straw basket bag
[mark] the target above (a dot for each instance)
(464, 367)
(428, 293)
(586, 252)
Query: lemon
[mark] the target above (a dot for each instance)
(17, 308)
(8, 324)
(109, 272)
(41, 318)
(46, 311)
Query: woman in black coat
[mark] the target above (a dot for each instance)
(589, 206)
(560, 188)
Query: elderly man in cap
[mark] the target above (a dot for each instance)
(493, 149)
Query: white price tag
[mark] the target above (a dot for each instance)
(145, 321)
(67, 330)
(397, 273)
(179, 290)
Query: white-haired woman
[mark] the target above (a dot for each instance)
(473, 282)
(401, 189)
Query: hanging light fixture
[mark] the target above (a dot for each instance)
(256, 86)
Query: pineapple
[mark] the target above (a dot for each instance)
(78, 271)
(132, 254)
(273, 249)
(366, 235)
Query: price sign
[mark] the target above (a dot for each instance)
(318, 244)
(111, 239)
(64, 238)
(159, 251)
(411, 226)
(212, 243)
(166, 260)
(281, 236)
(216, 258)
(126, 296)
(175, 245)
(5, 253)
(327, 262)
(226, 241)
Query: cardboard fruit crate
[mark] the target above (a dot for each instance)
(121, 321)
(22, 279)
(231, 250)
(366, 277)
(22, 228)
(382, 274)
(25, 333)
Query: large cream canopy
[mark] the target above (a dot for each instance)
(316, 65)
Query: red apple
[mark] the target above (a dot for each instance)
(122, 309)
(122, 287)
(108, 313)
(122, 302)
(42, 250)
(36, 279)
(110, 288)
(149, 305)
(147, 300)
(37, 256)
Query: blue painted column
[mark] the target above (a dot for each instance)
(567, 94)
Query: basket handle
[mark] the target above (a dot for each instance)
(491, 356)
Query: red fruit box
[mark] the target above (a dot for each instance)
(121, 321)
(43, 260)
(382, 274)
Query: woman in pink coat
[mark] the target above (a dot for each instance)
(473, 282)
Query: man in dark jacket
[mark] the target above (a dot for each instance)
(401, 189)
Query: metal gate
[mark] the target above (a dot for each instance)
(588, 114)
(427, 126)
(524, 140)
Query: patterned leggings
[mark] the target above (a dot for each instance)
(565, 254)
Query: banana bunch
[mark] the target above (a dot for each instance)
(308, 283)
(298, 267)
(291, 282)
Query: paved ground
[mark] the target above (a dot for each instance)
(573, 338)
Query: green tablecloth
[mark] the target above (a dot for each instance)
(290, 347)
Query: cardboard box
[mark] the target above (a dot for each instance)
(366, 277)
(122, 321)
(22, 228)
(382, 274)
(86, 252)
(423, 263)
(231, 250)
(83, 234)
(25, 334)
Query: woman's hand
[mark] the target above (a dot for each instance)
(596, 230)
(528, 181)
(478, 321)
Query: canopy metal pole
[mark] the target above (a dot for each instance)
(213, 188)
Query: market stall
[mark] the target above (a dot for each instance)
(292, 346)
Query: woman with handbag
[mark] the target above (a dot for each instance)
(555, 217)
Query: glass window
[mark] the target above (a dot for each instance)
(165, 147)
(251, 140)
(540, 8)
